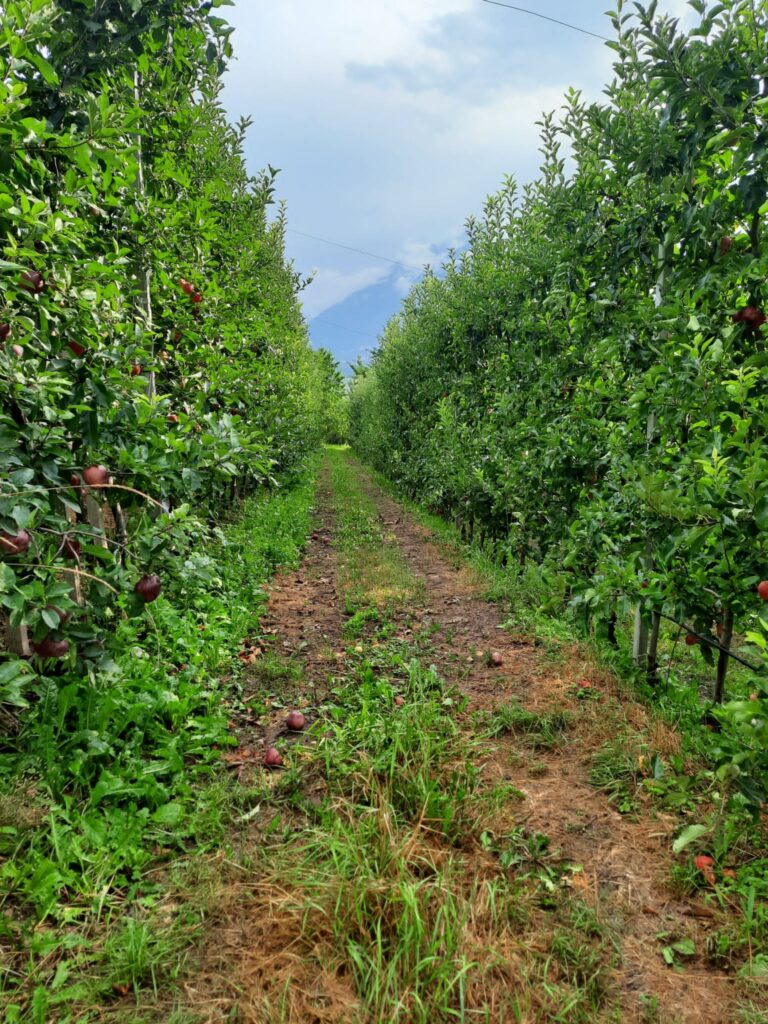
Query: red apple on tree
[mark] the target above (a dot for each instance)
(64, 617)
(77, 348)
(96, 476)
(18, 351)
(32, 281)
(752, 318)
(71, 548)
(148, 588)
(135, 370)
(172, 418)
(725, 244)
(691, 640)
(15, 543)
(762, 589)
(5, 330)
(187, 286)
(197, 298)
(48, 647)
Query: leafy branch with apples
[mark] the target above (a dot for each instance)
(582, 389)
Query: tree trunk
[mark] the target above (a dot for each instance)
(722, 661)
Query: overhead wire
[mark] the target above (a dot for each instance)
(351, 248)
(341, 327)
(546, 17)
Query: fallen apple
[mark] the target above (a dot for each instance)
(295, 721)
(272, 758)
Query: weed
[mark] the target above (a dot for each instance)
(542, 730)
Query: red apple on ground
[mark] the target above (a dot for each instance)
(96, 476)
(50, 648)
(148, 588)
(272, 758)
(295, 721)
(15, 543)
(497, 658)
(703, 861)
(399, 701)
(32, 281)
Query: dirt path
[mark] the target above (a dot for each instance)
(625, 861)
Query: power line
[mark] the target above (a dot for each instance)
(351, 248)
(341, 327)
(545, 17)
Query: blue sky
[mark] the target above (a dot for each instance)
(391, 120)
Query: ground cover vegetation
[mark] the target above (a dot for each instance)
(582, 390)
(159, 401)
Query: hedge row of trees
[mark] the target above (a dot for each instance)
(585, 384)
(151, 338)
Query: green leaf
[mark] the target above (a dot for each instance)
(45, 69)
(689, 835)
(169, 814)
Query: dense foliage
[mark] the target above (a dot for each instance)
(150, 320)
(152, 346)
(584, 386)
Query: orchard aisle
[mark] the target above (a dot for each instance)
(432, 848)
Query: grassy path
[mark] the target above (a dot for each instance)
(435, 847)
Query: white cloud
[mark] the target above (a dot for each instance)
(329, 287)
(393, 119)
